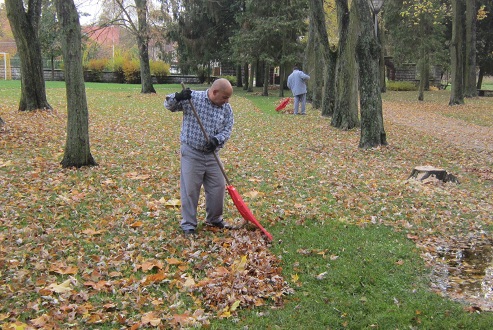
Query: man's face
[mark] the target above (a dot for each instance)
(220, 97)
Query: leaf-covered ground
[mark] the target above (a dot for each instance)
(101, 246)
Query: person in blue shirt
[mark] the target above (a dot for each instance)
(198, 165)
(297, 84)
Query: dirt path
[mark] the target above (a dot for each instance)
(458, 132)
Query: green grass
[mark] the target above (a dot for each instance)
(367, 278)
(341, 218)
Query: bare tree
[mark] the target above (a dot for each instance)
(77, 149)
(133, 17)
(24, 21)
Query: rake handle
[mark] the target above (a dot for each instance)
(207, 137)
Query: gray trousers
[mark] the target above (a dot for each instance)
(297, 100)
(200, 169)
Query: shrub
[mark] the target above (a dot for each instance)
(97, 65)
(160, 69)
(203, 73)
(401, 86)
(231, 79)
(131, 71)
(96, 68)
(118, 69)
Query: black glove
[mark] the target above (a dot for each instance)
(212, 144)
(185, 94)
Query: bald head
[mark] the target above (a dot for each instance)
(220, 91)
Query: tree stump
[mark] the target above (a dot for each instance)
(422, 173)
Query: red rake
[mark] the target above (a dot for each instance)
(283, 103)
(233, 193)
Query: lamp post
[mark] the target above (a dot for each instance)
(376, 5)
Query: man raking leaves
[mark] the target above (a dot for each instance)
(198, 165)
(216, 129)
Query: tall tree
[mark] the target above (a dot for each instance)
(484, 41)
(142, 34)
(416, 30)
(368, 55)
(24, 21)
(202, 31)
(133, 17)
(470, 50)
(49, 34)
(271, 31)
(317, 13)
(346, 103)
(77, 148)
(457, 53)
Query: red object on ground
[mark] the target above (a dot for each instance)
(283, 104)
(245, 211)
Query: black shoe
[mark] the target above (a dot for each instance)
(189, 232)
(222, 225)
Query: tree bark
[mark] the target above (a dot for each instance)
(265, 88)
(143, 44)
(252, 75)
(368, 54)
(24, 26)
(239, 75)
(328, 94)
(77, 149)
(246, 75)
(456, 54)
(470, 50)
(381, 38)
(282, 84)
(424, 73)
(423, 173)
(345, 114)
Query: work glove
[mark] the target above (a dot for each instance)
(185, 94)
(212, 144)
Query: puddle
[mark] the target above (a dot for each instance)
(466, 273)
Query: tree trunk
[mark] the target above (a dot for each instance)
(77, 150)
(346, 102)
(424, 73)
(381, 38)
(282, 81)
(368, 54)
(25, 30)
(246, 75)
(252, 75)
(239, 75)
(328, 94)
(329, 86)
(259, 73)
(265, 89)
(480, 78)
(310, 61)
(425, 173)
(456, 54)
(470, 50)
(143, 44)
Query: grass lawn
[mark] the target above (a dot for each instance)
(101, 247)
